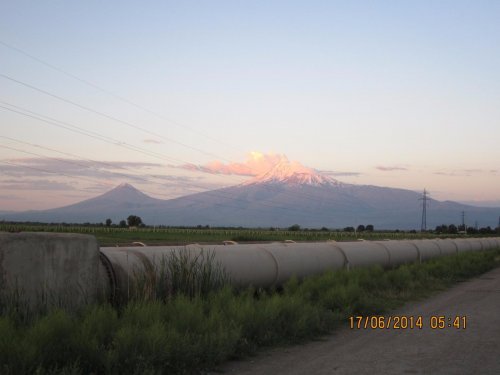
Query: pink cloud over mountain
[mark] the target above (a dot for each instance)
(256, 164)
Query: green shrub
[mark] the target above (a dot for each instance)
(51, 341)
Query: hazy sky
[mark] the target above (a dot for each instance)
(391, 93)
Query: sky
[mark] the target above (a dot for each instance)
(177, 97)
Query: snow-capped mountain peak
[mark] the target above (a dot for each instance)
(287, 172)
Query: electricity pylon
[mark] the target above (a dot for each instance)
(424, 199)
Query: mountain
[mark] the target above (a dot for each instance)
(287, 194)
(116, 204)
(123, 197)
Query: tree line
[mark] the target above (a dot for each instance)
(454, 229)
(132, 221)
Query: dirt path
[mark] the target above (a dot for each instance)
(473, 350)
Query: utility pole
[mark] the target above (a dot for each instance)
(424, 198)
(464, 229)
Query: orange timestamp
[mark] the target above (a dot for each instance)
(408, 322)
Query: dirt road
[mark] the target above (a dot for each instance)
(473, 350)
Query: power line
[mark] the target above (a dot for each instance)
(109, 165)
(59, 152)
(51, 172)
(134, 177)
(109, 117)
(88, 133)
(108, 92)
(74, 128)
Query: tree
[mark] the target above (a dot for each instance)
(452, 228)
(134, 221)
(108, 222)
(123, 223)
(294, 228)
(369, 228)
(349, 229)
(471, 230)
(486, 230)
(442, 228)
(361, 228)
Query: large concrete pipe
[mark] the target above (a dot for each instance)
(50, 268)
(264, 265)
(447, 247)
(400, 251)
(364, 253)
(303, 259)
(427, 249)
(476, 244)
(462, 244)
(489, 242)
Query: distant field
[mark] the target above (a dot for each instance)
(113, 236)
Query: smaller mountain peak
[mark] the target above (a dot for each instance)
(125, 185)
(124, 189)
(125, 192)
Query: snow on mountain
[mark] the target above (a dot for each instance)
(286, 172)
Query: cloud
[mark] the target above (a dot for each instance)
(8, 196)
(465, 172)
(257, 163)
(93, 177)
(341, 174)
(35, 185)
(42, 167)
(171, 178)
(390, 169)
(154, 141)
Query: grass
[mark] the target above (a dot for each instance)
(180, 273)
(189, 332)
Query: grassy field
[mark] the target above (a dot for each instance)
(113, 236)
(196, 329)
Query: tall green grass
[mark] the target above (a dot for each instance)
(190, 332)
(179, 273)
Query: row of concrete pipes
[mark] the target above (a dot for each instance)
(271, 264)
(75, 265)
